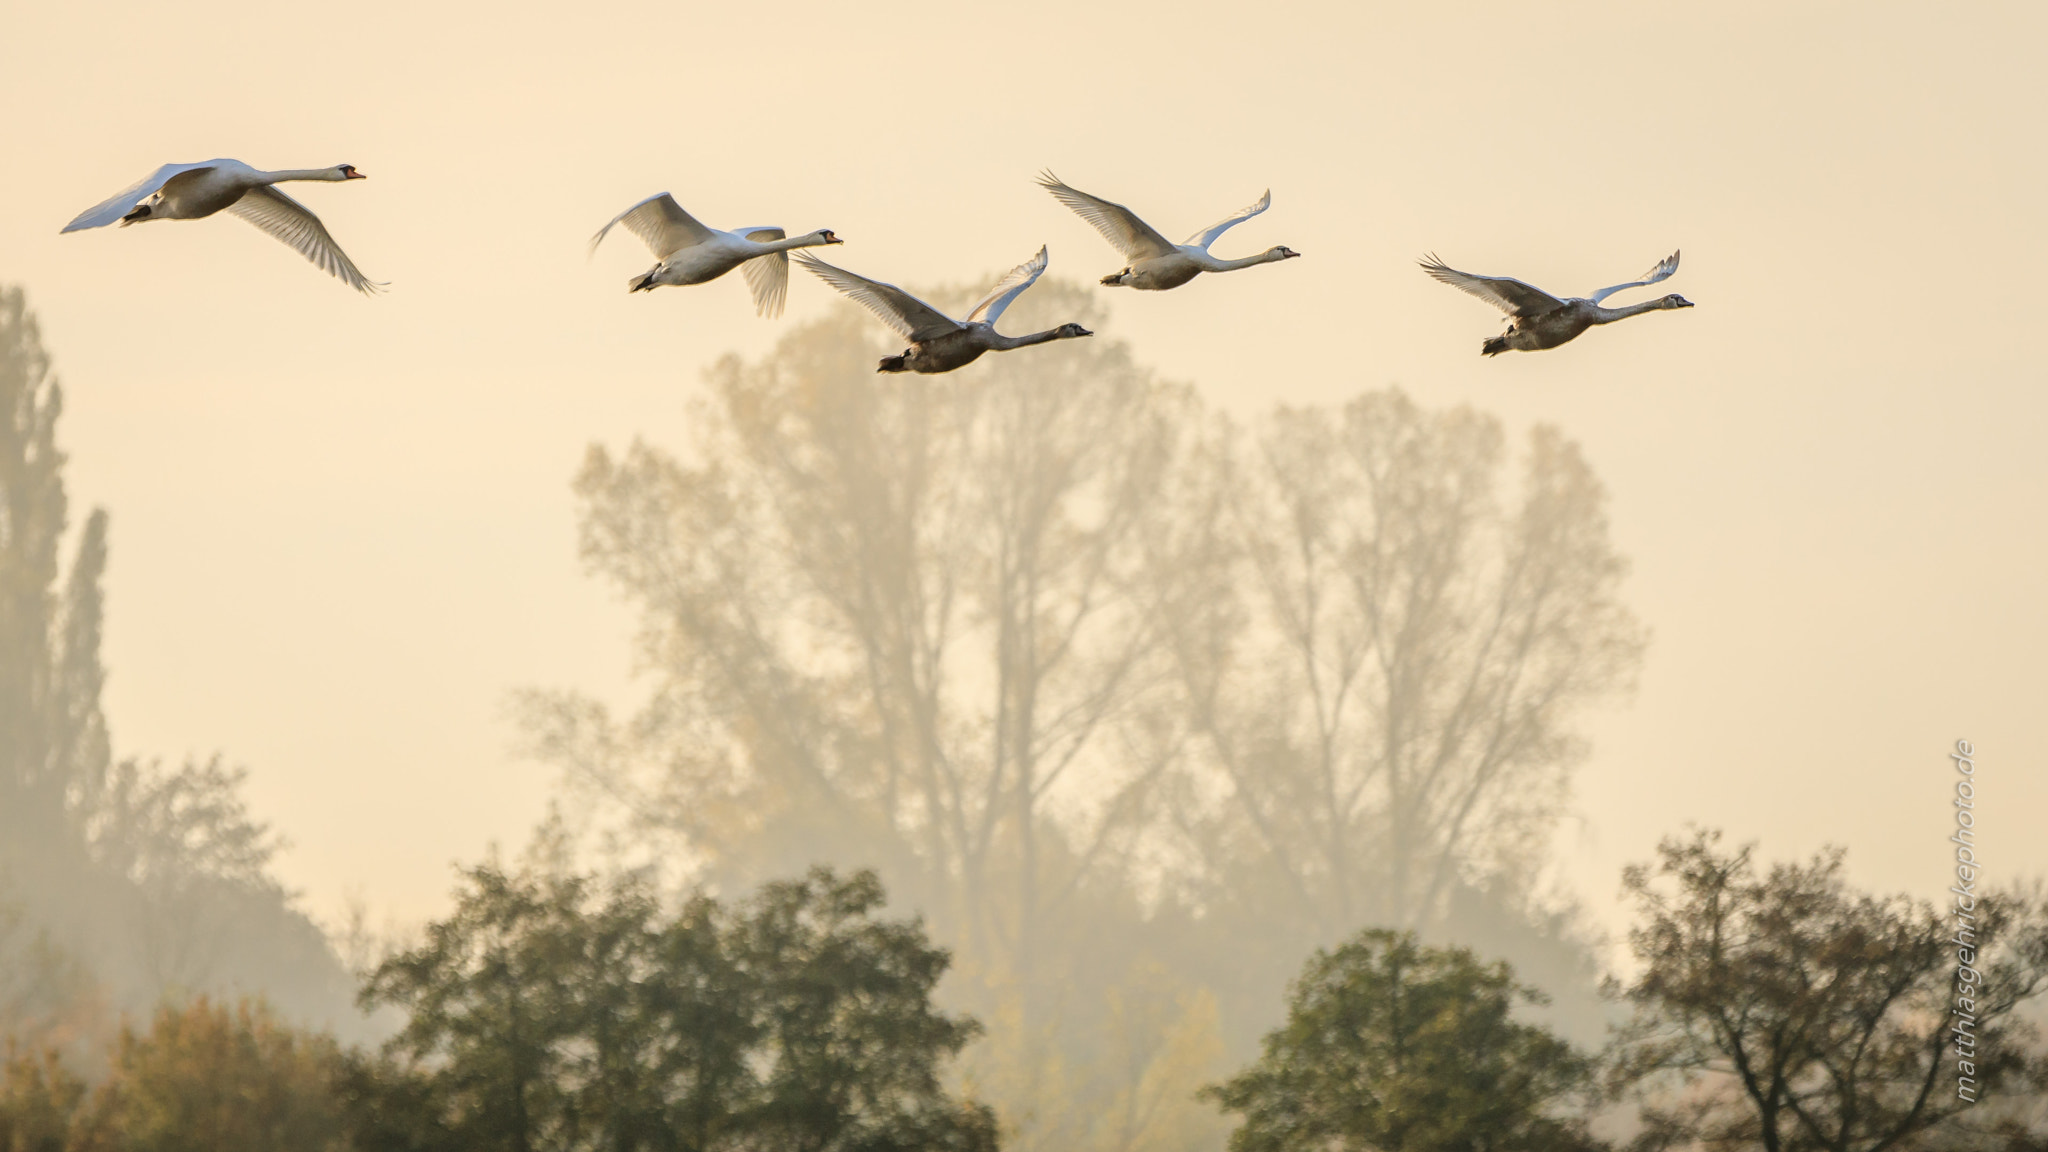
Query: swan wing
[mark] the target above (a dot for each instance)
(1661, 271)
(1120, 226)
(989, 308)
(107, 212)
(1510, 296)
(767, 276)
(913, 319)
(661, 224)
(1207, 236)
(294, 223)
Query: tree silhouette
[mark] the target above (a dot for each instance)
(549, 1011)
(1808, 1016)
(1391, 1046)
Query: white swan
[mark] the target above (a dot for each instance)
(939, 343)
(1540, 320)
(690, 253)
(1155, 264)
(190, 191)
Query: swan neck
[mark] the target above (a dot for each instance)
(809, 240)
(1243, 262)
(299, 174)
(1603, 315)
(1002, 343)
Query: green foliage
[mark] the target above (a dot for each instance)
(206, 1077)
(1806, 1016)
(210, 1078)
(553, 1012)
(40, 1103)
(1397, 1047)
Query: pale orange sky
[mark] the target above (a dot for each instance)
(342, 529)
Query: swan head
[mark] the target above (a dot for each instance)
(348, 172)
(1674, 301)
(1281, 252)
(826, 236)
(1069, 331)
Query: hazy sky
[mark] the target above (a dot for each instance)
(342, 528)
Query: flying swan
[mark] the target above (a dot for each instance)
(1156, 265)
(690, 253)
(190, 191)
(1538, 320)
(939, 343)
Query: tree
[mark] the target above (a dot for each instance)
(53, 744)
(893, 621)
(40, 1102)
(1385, 686)
(909, 625)
(212, 1078)
(550, 1011)
(854, 1047)
(120, 883)
(1809, 1016)
(1395, 1047)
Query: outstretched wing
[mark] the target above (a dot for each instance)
(767, 276)
(1120, 226)
(103, 214)
(989, 308)
(294, 223)
(660, 223)
(1662, 271)
(1510, 296)
(913, 319)
(1207, 236)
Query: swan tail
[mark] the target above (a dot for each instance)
(1115, 279)
(1494, 347)
(644, 282)
(894, 364)
(141, 212)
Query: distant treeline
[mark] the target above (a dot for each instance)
(555, 1010)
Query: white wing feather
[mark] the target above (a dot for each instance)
(767, 276)
(107, 212)
(661, 224)
(1207, 236)
(989, 308)
(912, 319)
(1509, 295)
(294, 223)
(1661, 271)
(1120, 226)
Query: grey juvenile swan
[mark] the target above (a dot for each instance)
(1538, 320)
(190, 191)
(1155, 264)
(690, 253)
(939, 343)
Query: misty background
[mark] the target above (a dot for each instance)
(351, 543)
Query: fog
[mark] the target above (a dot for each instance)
(358, 545)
